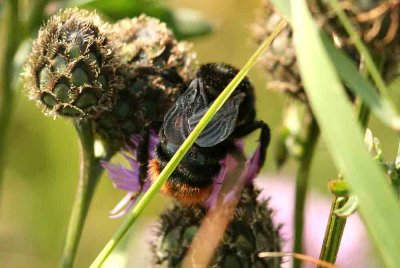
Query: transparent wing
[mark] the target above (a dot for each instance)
(175, 124)
(221, 126)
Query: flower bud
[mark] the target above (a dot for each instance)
(71, 69)
(250, 232)
(155, 67)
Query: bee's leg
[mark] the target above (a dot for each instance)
(143, 156)
(263, 141)
(146, 150)
(168, 74)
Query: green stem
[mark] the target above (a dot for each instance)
(183, 149)
(90, 172)
(10, 28)
(335, 227)
(302, 185)
(362, 49)
(35, 15)
(363, 115)
(333, 234)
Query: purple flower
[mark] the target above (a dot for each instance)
(127, 179)
(229, 163)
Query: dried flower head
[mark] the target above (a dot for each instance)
(155, 67)
(249, 232)
(71, 69)
(377, 22)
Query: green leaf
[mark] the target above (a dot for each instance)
(380, 106)
(120, 9)
(348, 208)
(190, 23)
(343, 135)
(284, 7)
(185, 23)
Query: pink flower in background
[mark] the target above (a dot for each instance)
(355, 249)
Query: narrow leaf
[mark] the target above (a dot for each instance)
(349, 208)
(343, 135)
(380, 106)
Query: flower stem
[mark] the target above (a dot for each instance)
(302, 185)
(10, 25)
(90, 172)
(334, 233)
(335, 227)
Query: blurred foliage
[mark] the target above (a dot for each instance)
(185, 23)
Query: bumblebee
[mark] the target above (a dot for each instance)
(191, 183)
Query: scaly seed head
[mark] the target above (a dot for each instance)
(71, 69)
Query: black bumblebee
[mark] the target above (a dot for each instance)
(191, 182)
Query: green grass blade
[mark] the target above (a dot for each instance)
(362, 49)
(380, 106)
(175, 160)
(343, 136)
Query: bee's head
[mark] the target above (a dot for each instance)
(216, 76)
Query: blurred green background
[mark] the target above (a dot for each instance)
(43, 158)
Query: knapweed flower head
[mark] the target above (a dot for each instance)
(71, 70)
(155, 68)
(146, 41)
(250, 231)
(377, 22)
(130, 179)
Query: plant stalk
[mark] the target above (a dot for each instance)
(362, 49)
(10, 25)
(90, 172)
(335, 227)
(302, 186)
(333, 234)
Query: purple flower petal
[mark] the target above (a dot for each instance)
(228, 163)
(123, 206)
(123, 178)
(134, 164)
(248, 175)
(136, 139)
(253, 166)
(127, 179)
(153, 141)
(212, 200)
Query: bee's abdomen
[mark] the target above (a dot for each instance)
(189, 184)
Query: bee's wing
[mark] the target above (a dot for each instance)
(221, 126)
(175, 124)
